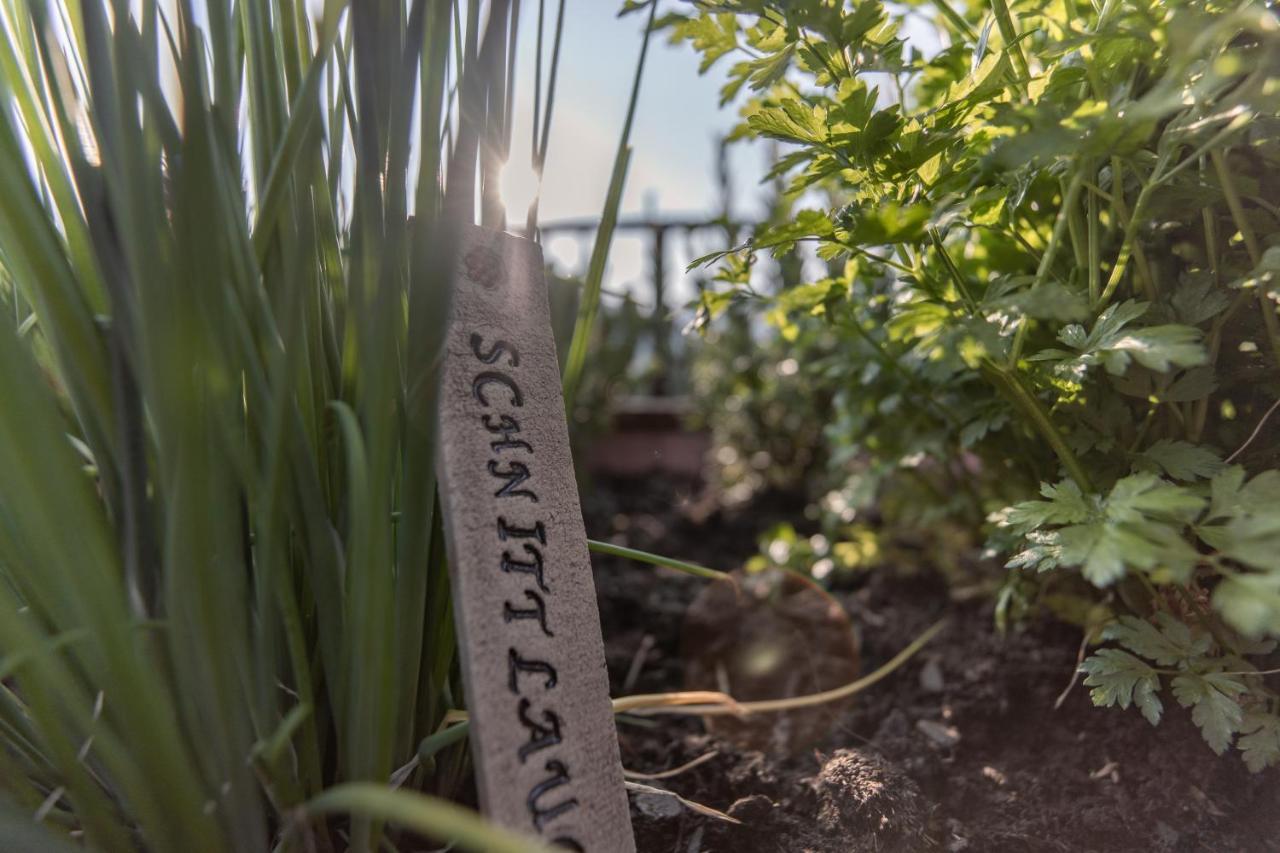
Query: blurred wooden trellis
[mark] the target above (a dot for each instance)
(648, 433)
(660, 234)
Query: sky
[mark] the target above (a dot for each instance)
(673, 166)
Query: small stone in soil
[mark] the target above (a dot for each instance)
(657, 806)
(1110, 770)
(931, 680)
(938, 733)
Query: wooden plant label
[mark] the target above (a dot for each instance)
(542, 730)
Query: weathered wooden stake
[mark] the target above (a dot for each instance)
(542, 730)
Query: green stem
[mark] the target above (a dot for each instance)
(953, 17)
(872, 256)
(961, 285)
(590, 299)
(1117, 193)
(1059, 226)
(1145, 278)
(1213, 344)
(1069, 197)
(1078, 232)
(1107, 8)
(1200, 408)
(1004, 19)
(598, 547)
(660, 704)
(434, 743)
(1126, 247)
(1019, 340)
(1094, 250)
(1145, 427)
(430, 816)
(1211, 242)
(1011, 384)
(1268, 309)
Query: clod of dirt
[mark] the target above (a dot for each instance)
(752, 809)
(860, 795)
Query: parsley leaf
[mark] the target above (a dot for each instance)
(1119, 678)
(1250, 602)
(1065, 504)
(1214, 709)
(1260, 740)
(1115, 346)
(1168, 643)
(1243, 525)
(1138, 525)
(1181, 460)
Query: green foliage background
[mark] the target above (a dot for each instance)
(1052, 244)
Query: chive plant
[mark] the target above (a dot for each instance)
(224, 606)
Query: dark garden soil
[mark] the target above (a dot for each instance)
(960, 750)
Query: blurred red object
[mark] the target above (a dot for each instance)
(648, 437)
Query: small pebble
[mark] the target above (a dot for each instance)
(942, 735)
(657, 806)
(1110, 770)
(931, 679)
